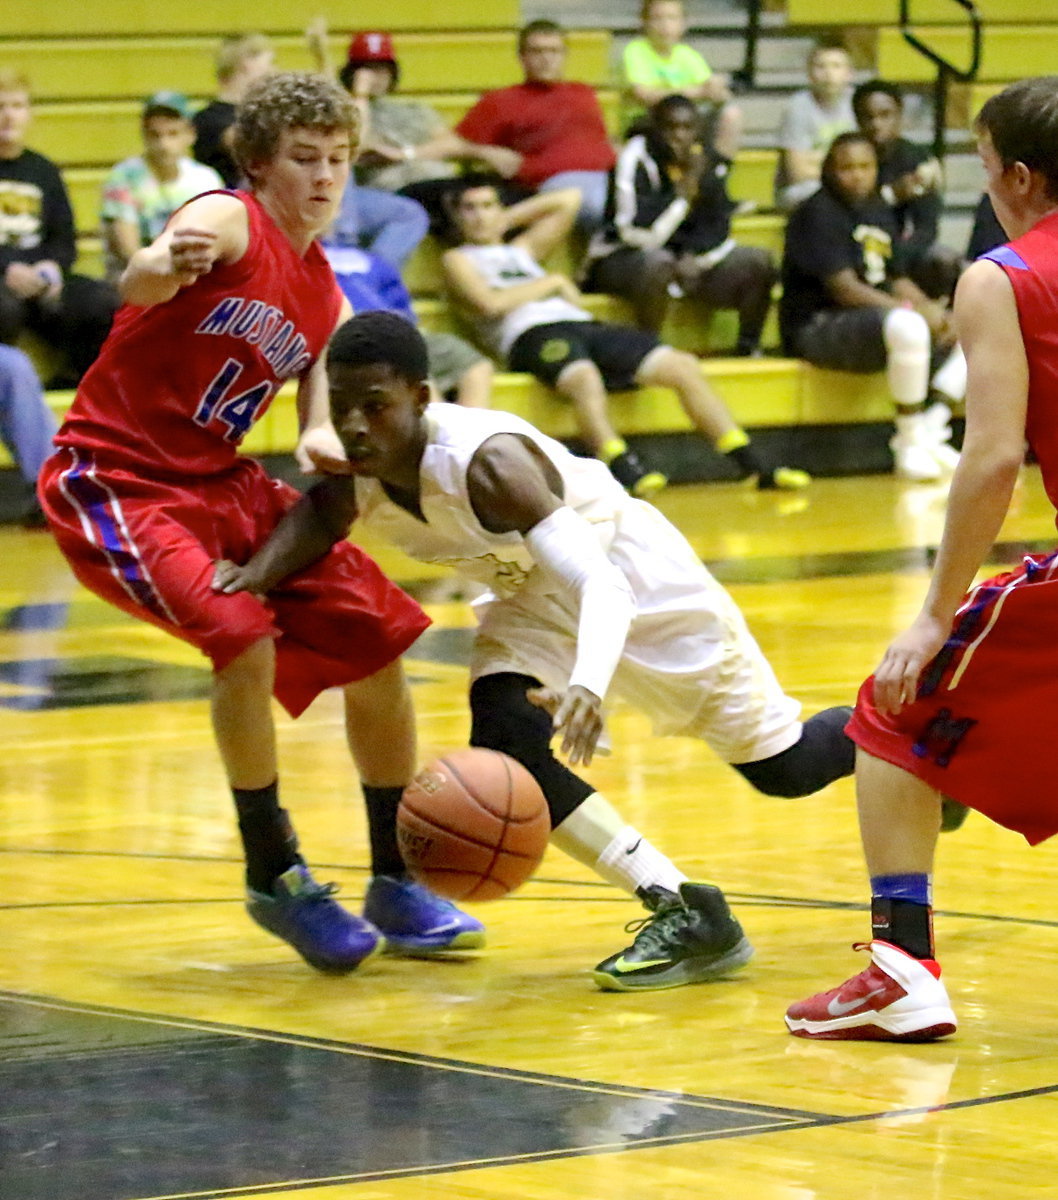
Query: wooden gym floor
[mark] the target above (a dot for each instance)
(154, 1043)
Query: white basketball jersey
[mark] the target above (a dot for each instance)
(505, 266)
(450, 532)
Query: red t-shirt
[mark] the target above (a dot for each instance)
(178, 385)
(555, 127)
(1031, 265)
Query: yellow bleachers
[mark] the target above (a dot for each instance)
(29, 18)
(761, 394)
(1008, 51)
(922, 12)
(100, 68)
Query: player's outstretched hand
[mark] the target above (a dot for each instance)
(229, 578)
(897, 676)
(320, 452)
(577, 715)
(193, 253)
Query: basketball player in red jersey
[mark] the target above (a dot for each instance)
(964, 703)
(147, 489)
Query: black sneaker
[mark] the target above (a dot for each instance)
(627, 468)
(688, 938)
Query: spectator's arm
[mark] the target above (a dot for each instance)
(122, 239)
(544, 220)
(319, 48)
(59, 235)
(447, 144)
(469, 289)
(849, 291)
(802, 164)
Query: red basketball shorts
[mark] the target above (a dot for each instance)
(984, 726)
(149, 546)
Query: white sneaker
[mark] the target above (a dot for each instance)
(896, 999)
(912, 447)
(936, 421)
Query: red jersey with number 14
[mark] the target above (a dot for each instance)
(177, 385)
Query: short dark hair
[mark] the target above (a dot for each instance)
(668, 104)
(852, 137)
(543, 25)
(875, 87)
(381, 338)
(348, 73)
(1022, 121)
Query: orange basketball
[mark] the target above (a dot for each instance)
(473, 825)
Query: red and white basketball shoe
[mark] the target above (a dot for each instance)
(896, 999)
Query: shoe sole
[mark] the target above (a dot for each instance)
(923, 1026)
(680, 974)
(409, 948)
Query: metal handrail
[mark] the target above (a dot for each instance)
(746, 76)
(946, 71)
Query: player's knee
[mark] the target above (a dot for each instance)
(503, 718)
(823, 753)
(906, 332)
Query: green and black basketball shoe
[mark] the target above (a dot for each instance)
(689, 937)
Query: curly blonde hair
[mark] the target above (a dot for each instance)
(290, 100)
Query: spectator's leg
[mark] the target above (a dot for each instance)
(593, 186)
(581, 384)
(391, 226)
(79, 323)
(641, 277)
(727, 135)
(742, 281)
(26, 423)
(12, 315)
(474, 389)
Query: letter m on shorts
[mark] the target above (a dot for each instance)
(940, 739)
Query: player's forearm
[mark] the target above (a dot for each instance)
(306, 533)
(149, 278)
(977, 504)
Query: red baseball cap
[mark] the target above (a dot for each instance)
(371, 47)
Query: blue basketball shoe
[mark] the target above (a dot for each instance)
(415, 921)
(303, 913)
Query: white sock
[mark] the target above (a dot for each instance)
(950, 376)
(907, 344)
(631, 862)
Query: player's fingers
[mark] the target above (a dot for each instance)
(545, 698)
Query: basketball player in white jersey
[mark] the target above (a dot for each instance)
(593, 593)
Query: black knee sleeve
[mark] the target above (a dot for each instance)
(823, 753)
(504, 719)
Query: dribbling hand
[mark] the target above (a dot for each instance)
(577, 715)
(192, 253)
(229, 578)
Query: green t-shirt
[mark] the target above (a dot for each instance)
(643, 67)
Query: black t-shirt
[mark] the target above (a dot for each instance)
(824, 236)
(210, 125)
(36, 221)
(917, 219)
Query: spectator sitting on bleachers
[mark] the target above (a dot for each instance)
(407, 147)
(668, 230)
(813, 117)
(38, 290)
(555, 125)
(26, 424)
(847, 304)
(458, 371)
(659, 64)
(909, 180)
(533, 321)
(241, 61)
(141, 193)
